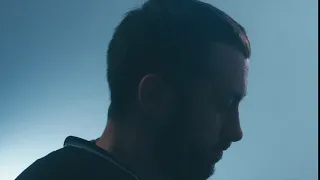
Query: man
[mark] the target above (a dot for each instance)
(177, 71)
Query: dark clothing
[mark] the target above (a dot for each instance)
(79, 160)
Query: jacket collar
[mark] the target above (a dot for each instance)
(90, 147)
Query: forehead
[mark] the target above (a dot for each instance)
(230, 67)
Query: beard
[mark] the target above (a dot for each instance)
(180, 155)
(182, 160)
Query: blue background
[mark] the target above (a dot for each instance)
(53, 84)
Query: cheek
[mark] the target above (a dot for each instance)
(211, 129)
(206, 125)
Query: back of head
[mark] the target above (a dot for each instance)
(171, 38)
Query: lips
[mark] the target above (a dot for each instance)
(217, 156)
(225, 146)
(219, 153)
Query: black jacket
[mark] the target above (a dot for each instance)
(79, 160)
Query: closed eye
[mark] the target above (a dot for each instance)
(232, 100)
(238, 98)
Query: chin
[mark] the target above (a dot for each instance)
(202, 174)
(208, 168)
(201, 170)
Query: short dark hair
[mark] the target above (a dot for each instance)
(167, 37)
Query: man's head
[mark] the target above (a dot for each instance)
(181, 66)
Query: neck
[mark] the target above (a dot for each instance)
(131, 147)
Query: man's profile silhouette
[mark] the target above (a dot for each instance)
(177, 71)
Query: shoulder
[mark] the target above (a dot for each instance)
(51, 166)
(73, 163)
(64, 164)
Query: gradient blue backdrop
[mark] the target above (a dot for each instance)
(53, 84)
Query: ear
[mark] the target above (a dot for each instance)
(153, 93)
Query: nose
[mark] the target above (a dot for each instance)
(236, 134)
(232, 129)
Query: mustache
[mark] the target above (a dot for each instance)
(222, 146)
